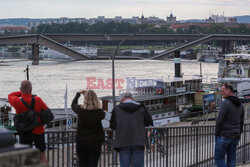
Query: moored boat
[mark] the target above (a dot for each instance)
(165, 100)
(235, 69)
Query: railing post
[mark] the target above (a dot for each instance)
(197, 145)
(47, 145)
(244, 144)
(167, 135)
(114, 153)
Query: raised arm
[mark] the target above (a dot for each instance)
(75, 107)
(13, 98)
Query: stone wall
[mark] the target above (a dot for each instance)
(21, 158)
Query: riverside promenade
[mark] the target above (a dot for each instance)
(173, 146)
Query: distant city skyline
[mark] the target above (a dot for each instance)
(182, 9)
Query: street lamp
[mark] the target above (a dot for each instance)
(115, 52)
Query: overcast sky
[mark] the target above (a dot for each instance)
(182, 9)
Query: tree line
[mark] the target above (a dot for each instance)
(127, 28)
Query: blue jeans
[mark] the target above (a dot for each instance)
(223, 146)
(132, 156)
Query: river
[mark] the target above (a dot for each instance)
(50, 78)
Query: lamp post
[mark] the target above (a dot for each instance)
(113, 58)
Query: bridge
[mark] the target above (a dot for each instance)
(120, 37)
(226, 48)
(139, 37)
(52, 41)
(36, 40)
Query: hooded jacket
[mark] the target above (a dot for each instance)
(129, 121)
(231, 118)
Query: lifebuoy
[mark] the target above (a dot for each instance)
(159, 91)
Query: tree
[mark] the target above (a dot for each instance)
(127, 28)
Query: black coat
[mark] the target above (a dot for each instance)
(89, 127)
(230, 119)
(129, 121)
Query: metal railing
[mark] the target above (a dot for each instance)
(168, 146)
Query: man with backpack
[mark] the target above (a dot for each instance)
(25, 105)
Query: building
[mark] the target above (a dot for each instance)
(221, 19)
(171, 19)
(209, 20)
(62, 20)
(143, 20)
(13, 29)
(152, 20)
(232, 20)
(91, 21)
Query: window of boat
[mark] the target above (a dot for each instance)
(163, 115)
(156, 116)
(74, 120)
(239, 71)
(49, 125)
(181, 84)
(152, 102)
(64, 122)
(57, 123)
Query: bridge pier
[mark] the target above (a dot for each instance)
(227, 46)
(35, 54)
(177, 63)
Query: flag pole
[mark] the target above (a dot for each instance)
(66, 105)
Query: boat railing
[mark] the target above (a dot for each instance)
(163, 91)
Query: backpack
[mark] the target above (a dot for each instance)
(46, 116)
(26, 121)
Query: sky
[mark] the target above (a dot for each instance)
(182, 9)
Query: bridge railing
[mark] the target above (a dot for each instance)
(168, 146)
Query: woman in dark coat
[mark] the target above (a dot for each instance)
(90, 133)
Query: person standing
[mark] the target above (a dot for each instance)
(229, 126)
(90, 133)
(129, 119)
(37, 135)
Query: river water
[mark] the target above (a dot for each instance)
(50, 78)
